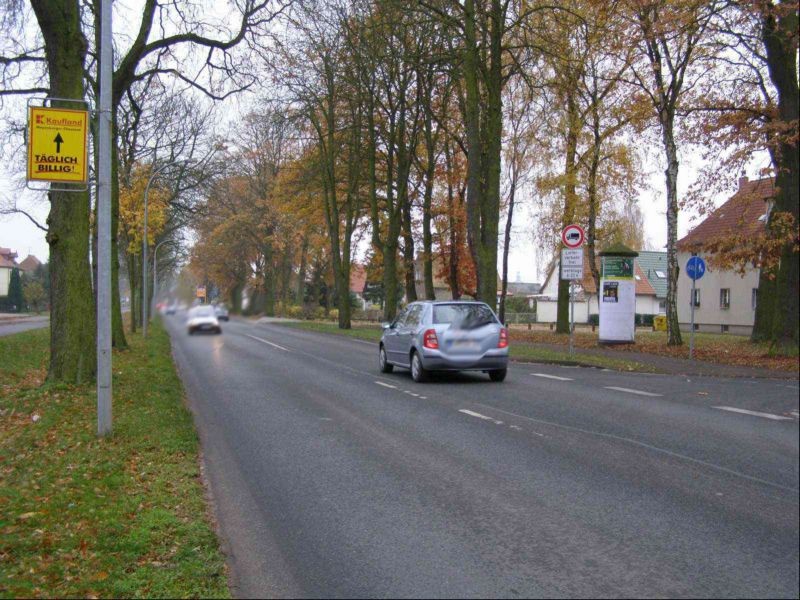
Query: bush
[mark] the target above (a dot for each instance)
(295, 312)
(644, 320)
(319, 313)
(519, 304)
(594, 319)
(333, 314)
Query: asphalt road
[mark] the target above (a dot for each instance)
(7, 327)
(333, 480)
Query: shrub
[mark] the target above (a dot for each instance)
(293, 311)
(594, 319)
(319, 313)
(333, 314)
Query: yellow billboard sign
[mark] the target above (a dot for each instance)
(57, 145)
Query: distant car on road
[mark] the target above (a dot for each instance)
(202, 318)
(445, 336)
(221, 311)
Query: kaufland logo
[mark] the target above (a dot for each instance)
(39, 119)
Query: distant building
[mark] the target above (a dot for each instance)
(358, 281)
(30, 264)
(725, 301)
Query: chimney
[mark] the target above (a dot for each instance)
(742, 179)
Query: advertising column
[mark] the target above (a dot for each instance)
(617, 296)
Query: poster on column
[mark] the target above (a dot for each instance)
(617, 300)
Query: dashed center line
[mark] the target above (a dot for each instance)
(479, 416)
(754, 413)
(556, 377)
(394, 387)
(263, 341)
(630, 391)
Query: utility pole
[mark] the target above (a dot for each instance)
(104, 394)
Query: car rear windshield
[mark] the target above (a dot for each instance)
(203, 311)
(464, 316)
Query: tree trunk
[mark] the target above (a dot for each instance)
(408, 253)
(72, 306)
(118, 339)
(301, 273)
(671, 174)
(570, 200)
(591, 233)
(779, 40)
(269, 279)
(507, 245)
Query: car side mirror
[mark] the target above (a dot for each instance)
(386, 325)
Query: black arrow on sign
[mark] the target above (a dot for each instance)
(58, 140)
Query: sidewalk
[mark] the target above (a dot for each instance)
(22, 317)
(681, 366)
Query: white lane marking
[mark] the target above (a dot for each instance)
(630, 391)
(754, 413)
(263, 341)
(394, 387)
(556, 377)
(632, 442)
(479, 416)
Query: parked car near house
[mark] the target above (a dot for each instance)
(445, 336)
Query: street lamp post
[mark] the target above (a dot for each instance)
(144, 246)
(155, 271)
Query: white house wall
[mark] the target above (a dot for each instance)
(709, 316)
(5, 281)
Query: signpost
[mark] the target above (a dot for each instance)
(695, 269)
(573, 237)
(57, 145)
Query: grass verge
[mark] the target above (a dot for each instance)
(123, 516)
(520, 351)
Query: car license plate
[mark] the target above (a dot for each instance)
(465, 345)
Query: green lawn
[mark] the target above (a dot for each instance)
(124, 516)
(519, 350)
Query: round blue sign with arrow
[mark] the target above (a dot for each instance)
(695, 267)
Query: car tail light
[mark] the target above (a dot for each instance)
(503, 341)
(429, 340)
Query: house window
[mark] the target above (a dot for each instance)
(696, 298)
(662, 306)
(754, 298)
(724, 328)
(661, 274)
(725, 298)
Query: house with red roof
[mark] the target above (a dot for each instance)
(725, 300)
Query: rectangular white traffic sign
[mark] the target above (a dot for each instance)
(571, 263)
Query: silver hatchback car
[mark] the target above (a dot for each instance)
(445, 336)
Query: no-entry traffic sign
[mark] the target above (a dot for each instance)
(573, 236)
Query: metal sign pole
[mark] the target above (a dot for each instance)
(104, 227)
(691, 333)
(572, 318)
